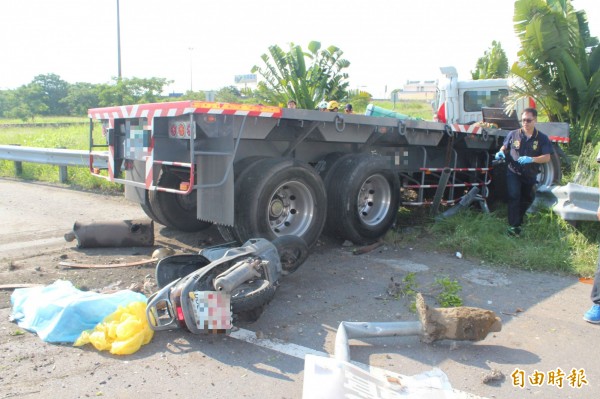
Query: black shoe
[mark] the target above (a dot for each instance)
(514, 231)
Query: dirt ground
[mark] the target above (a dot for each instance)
(541, 315)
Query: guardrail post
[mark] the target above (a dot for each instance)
(18, 164)
(63, 176)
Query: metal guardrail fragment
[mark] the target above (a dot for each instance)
(572, 202)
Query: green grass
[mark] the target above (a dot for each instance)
(547, 242)
(46, 119)
(74, 137)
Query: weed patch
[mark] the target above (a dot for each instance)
(448, 297)
(547, 243)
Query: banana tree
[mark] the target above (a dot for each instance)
(559, 64)
(493, 64)
(286, 75)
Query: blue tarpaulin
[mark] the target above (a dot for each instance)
(60, 312)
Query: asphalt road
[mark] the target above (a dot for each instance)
(543, 331)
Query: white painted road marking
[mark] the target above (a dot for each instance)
(300, 352)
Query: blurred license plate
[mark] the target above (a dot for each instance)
(212, 311)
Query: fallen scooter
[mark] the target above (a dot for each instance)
(202, 293)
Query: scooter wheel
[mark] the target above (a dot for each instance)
(292, 251)
(251, 295)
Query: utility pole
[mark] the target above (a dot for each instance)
(118, 41)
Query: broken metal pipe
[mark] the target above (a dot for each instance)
(460, 323)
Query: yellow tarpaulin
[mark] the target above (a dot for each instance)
(122, 332)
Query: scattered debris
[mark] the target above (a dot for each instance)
(163, 252)
(367, 248)
(205, 242)
(179, 246)
(15, 286)
(517, 310)
(112, 287)
(136, 287)
(458, 255)
(106, 266)
(493, 375)
(406, 287)
(393, 380)
(347, 243)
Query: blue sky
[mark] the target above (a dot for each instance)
(387, 41)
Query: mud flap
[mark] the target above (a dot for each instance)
(215, 191)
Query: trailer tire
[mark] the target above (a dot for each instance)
(176, 210)
(550, 172)
(147, 208)
(278, 197)
(228, 233)
(363, 198)
(330, 160)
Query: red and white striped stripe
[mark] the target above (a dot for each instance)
(456, 169)
(150, 164)
(558, 139)
(447, 185)
(150, 111)
(472, 129)
(111, 163)
(476, 129)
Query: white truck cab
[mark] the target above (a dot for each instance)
(461, 101)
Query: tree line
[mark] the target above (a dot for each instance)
(48, 94)
(308, 77)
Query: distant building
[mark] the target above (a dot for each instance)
(417, 90)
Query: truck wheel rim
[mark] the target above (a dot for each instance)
(291, 209)
(374, 199)
(546, 175)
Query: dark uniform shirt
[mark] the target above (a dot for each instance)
(519, 145)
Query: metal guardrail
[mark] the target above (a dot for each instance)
(572, 202)
(50, 156)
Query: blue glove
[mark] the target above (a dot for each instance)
(524, 160)
(499, 155)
